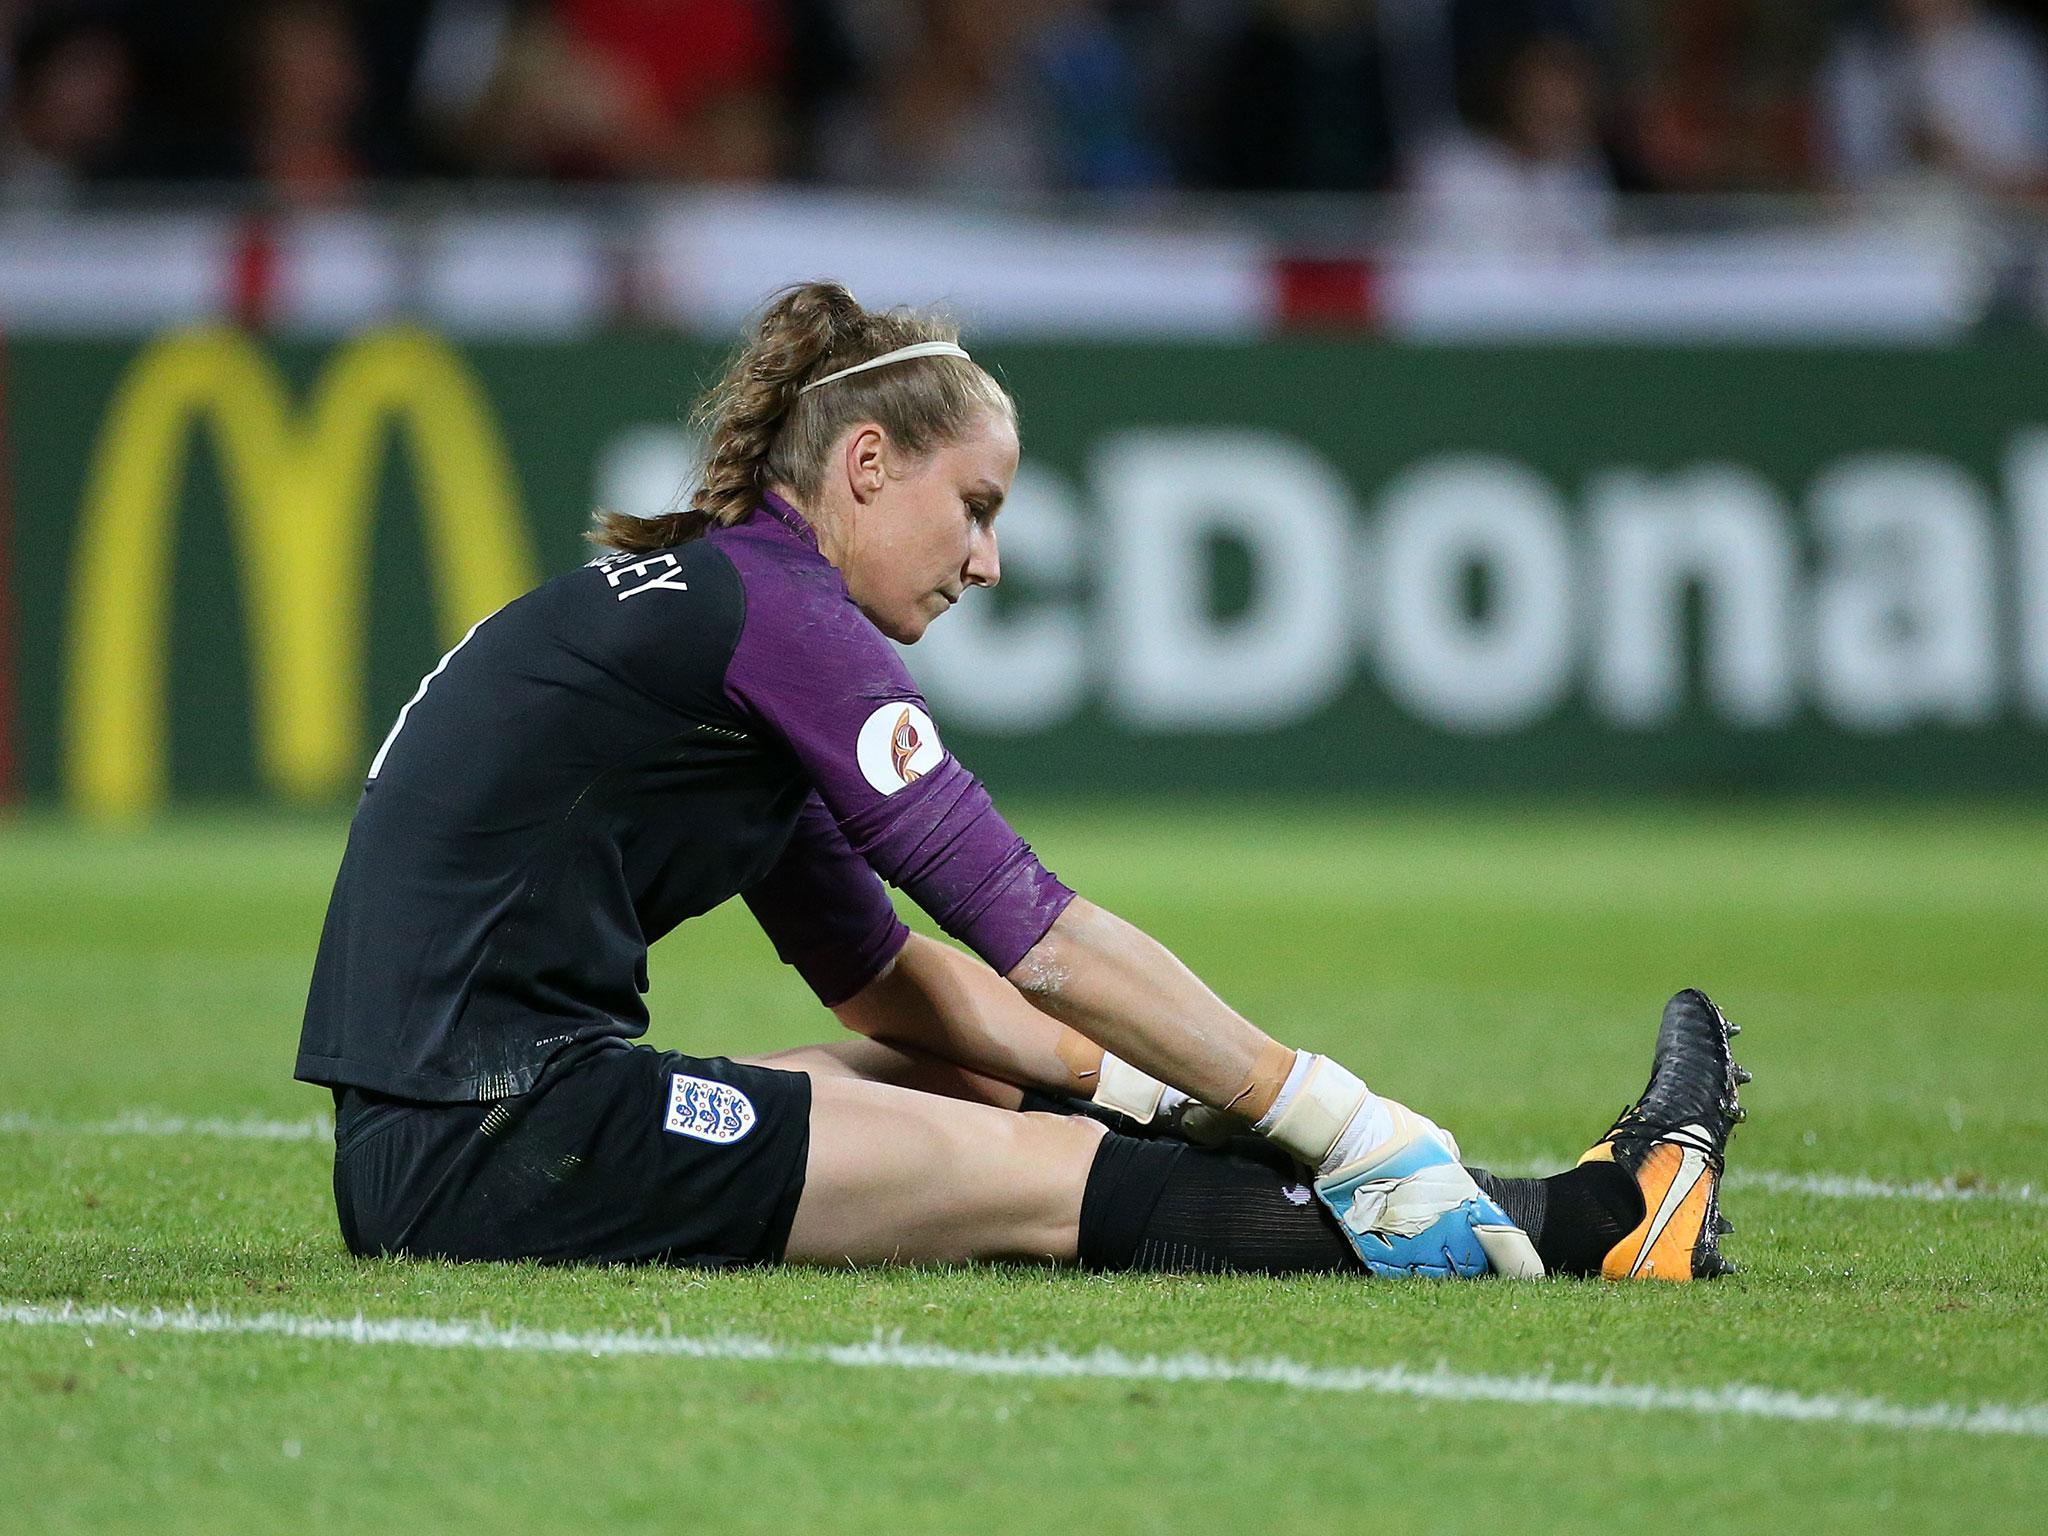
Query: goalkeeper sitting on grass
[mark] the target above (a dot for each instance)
(712, 709)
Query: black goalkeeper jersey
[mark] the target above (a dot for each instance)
(625, 747)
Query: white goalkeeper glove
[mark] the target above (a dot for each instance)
(1393, 1179)
(1143, 1098)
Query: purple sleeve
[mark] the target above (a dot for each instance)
(817, 674)
(825, 911)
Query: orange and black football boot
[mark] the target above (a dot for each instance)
(1674, 1140)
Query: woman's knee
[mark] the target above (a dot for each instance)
(906, 1176)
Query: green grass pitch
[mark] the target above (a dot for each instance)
(1500, 969)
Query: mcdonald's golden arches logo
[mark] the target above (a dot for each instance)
(301, 489)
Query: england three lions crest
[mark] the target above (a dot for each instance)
(707, 1111)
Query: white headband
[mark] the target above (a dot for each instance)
(900, 355)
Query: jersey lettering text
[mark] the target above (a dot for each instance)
(662, 571)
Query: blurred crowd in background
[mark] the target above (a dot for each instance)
(1558, 105)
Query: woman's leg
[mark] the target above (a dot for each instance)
(902, 1066)
(896, 1176)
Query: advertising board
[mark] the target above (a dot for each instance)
(1280, 567)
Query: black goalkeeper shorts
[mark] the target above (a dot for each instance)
(619, 1154)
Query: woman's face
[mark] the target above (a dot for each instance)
(922, 530)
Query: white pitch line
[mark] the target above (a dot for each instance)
(1832, 1186)
(1823, 1186)
(150, 1123)
(1856, 1186)
(1438, 1384)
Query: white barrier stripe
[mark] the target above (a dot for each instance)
(1824, 1186)
(1439, 1383)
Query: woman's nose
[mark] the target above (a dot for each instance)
(984, 565)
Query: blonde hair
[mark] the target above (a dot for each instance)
(762, 428)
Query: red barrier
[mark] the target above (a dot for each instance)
(1323, 294)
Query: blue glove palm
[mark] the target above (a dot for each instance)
(1410, 1208)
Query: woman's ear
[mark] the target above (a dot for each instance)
(867, 462)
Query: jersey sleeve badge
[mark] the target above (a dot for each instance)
(898, 745)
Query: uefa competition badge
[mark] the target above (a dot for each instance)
(898, 746)
(707, 1111)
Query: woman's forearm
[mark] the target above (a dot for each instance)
(1128, 993)
(937, 999)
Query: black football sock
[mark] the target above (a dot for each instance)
(1037, 1103)
(1163, 1205)
(1573, 1217)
